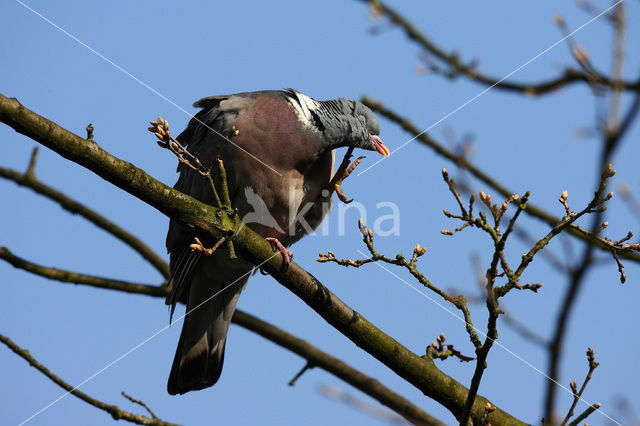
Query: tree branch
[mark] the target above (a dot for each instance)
(115, 411)
(29, 180)
(613, 132)
(458, 67)
(140, 403)
(462, 162)
(420, 372)
(577, 395)
(338, 368)
(323, 360)
(586, 413)
(76, 278)
(288, 341)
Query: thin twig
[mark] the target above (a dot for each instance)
(226, 200)
(458, 301)
(586, 413)
(577, 395)
(222, 183)
(160, 129)
(141, 403)
(198, 246)
(307, 366)
(438, 350)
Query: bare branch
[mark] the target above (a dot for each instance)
(115, 411)
(161, 130)
(321, 359)
(77, 278)
(137, 401)
(198, 246)
(488, 409)
(360, 405)
(611, 141)
(438, 350)
(458, 67)
(577, 395)
(585, 414)
(307, 366)
(29, 180)
(461, 161)
(458, 301)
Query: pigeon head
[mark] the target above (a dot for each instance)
(343, 122)
(371, 139)
(348, 122)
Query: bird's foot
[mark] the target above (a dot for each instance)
(287, 254)
(342, 173)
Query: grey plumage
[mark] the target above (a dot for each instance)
(348, 118)
(289, 133)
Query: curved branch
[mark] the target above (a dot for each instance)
(29, 180)
(338, 368)
(315, 356)
(457, 67)
(420, 372)
(114, 410)
(76, 278)
(611, 142)
(462, 162)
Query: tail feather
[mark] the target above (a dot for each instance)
(199, 356)
(196, 367)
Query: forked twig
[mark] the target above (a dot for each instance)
(160, 128)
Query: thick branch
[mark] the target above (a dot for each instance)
(462, 162)
(420, 372)
(338, 368)
(122, 174)
(115, 411)
(29, 180)
(288, 341)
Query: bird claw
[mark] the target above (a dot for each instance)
(342, 173)
(287, 254)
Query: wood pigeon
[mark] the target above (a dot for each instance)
(278, 150)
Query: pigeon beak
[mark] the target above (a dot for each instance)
(380, 147)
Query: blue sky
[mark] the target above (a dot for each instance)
(194, 49)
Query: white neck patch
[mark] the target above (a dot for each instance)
(303, 105)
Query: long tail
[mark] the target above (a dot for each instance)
(200, 354)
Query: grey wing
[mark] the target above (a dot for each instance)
(207, 135)
(204, 136)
